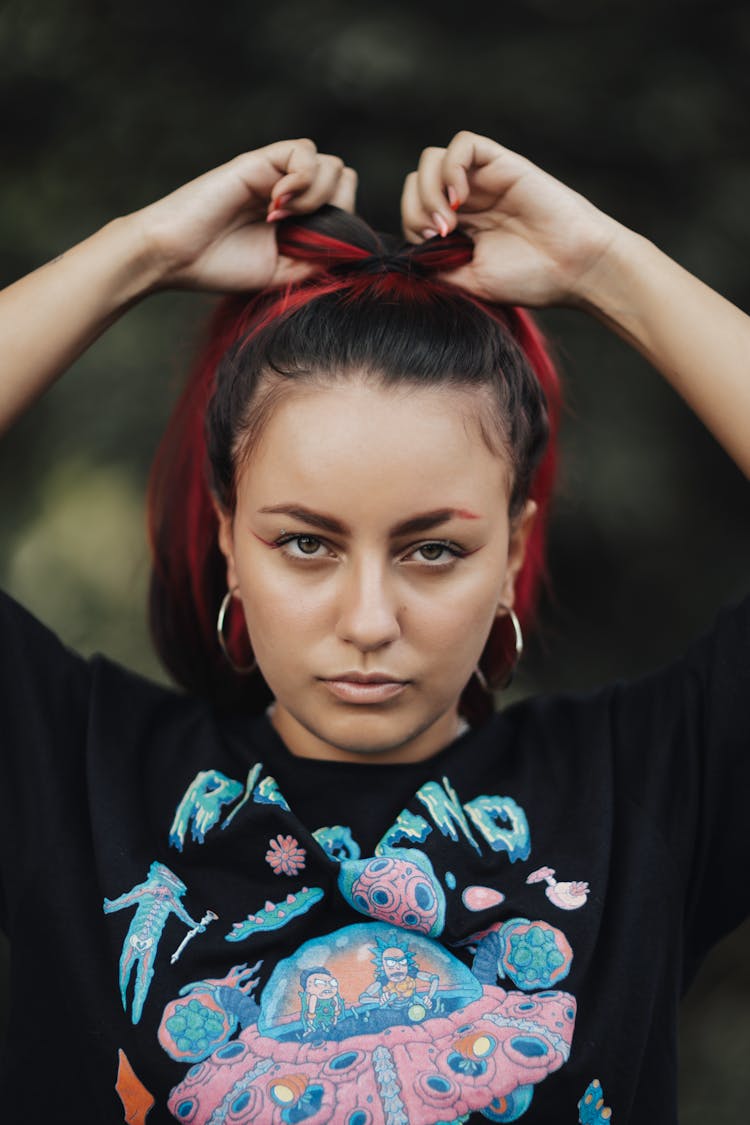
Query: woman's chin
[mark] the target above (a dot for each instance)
(364, 734)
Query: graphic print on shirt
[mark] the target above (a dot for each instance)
(338, 842)
(274, 915)
(136, 1100)
(531, 954)
(399, 886)
(200, 809)
(376, 1014)
(499, 820)
(591, 1108)
(567, 896)
(192, 1028)
(321, 1004)
(154, 900)
(285, 856)
(479, 898)
(368, 1020)
(205, 798)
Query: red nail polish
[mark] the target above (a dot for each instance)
(440, 223)
(273, 216)
(283, 199)
(453, 199)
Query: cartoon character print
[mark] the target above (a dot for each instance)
(321, 1004)
(400, 1031)
(375, 1022)
(399, 982)
(154, 900)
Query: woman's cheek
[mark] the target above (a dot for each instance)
(465, 609)
(282, 613)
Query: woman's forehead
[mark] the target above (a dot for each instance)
(412, 449)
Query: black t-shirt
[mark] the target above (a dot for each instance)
(205, 928)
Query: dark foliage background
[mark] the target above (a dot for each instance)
(640, 105)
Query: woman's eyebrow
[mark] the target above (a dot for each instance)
(423, 522)
(432, 519)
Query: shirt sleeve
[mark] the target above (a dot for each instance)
(682, 753)
(44, 692)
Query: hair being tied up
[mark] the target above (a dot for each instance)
(369, 307)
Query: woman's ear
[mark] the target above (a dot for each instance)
(520, 529)
(226, 542)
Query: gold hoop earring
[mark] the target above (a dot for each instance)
(248, 669)
(518, 641)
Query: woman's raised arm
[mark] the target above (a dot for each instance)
(210, 234)
(539, 243)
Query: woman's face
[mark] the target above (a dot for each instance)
(371, 548)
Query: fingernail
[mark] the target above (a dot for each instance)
(440, 223)
(453, 199)
(281, 200)
(272, 216)
(428, 232)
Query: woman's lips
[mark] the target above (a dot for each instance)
(362, 690)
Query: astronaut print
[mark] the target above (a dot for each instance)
(388, 1019)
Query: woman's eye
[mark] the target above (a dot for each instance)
(307, 544)
(432, 551)
(299, 546)
(436, 553)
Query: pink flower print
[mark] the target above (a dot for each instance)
(285, 855)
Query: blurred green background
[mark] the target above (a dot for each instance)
(643, 106)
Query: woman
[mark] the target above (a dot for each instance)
(335, 888)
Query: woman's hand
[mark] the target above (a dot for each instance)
(536, 241)
(217, 232)
(214, 234)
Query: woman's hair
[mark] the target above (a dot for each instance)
(369, 310)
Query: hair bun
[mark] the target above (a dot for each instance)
(344, 245)
(441, 255)
(398, 262)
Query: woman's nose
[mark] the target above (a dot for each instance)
(368, 609)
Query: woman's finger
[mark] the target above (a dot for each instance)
(345, 195)
(322, 187)
(278, 168)
(297, 162)
(470, 152)
(414, 223)
(436, 211)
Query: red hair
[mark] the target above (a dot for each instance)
(391, 312)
